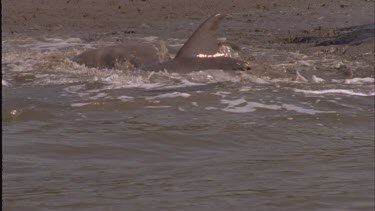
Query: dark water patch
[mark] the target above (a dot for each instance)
(351, 35)
(25, 115)
(354, 35)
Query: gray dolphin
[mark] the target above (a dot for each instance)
(201, 52)
(134, 54)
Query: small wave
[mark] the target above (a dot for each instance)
(211, 108)
(359, 80)
(79, 104)
(150, 39)
(5, 83)
(169, 95)
(54, 43)
(158, 106)
(125, 98)
(243, 106)
(335, 91)
(213, 76)
(290, 107)
(97, 96)
(26, 114)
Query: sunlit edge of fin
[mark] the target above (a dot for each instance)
(211, 55)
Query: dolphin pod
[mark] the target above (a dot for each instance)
(200, 52)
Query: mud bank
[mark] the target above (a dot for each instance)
(341, 30)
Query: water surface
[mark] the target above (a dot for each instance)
(77, 138)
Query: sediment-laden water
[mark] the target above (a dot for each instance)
(78, 138)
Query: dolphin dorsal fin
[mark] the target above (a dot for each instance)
(203, 40)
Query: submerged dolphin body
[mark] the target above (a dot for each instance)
(200, 52)
(135, 54)
(190, 64)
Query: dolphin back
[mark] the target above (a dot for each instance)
(203, 40)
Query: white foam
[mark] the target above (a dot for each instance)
(194, 104)
(134, 79)
(5, 83)
(181, 109)
(243, 106)
(211, 108)
(69, 40)
(290, 107)
(222, 93)
(54, 43)
(184, 83)
(213, 76)
(116, 81)
(245, 89)
(335, 91)
(177, 45)
(99, 95)
(306, 63)
(232, 103)
(317, 79)
(157, 106)
(49, 46)
(79, 104)
(359, 80)
(260, 81)
(170, 95)
(300, 78)
(150, 38)
(74, 89)
(125, 98)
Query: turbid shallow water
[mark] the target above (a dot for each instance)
(77, 138)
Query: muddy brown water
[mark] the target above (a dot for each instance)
(78, 138)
